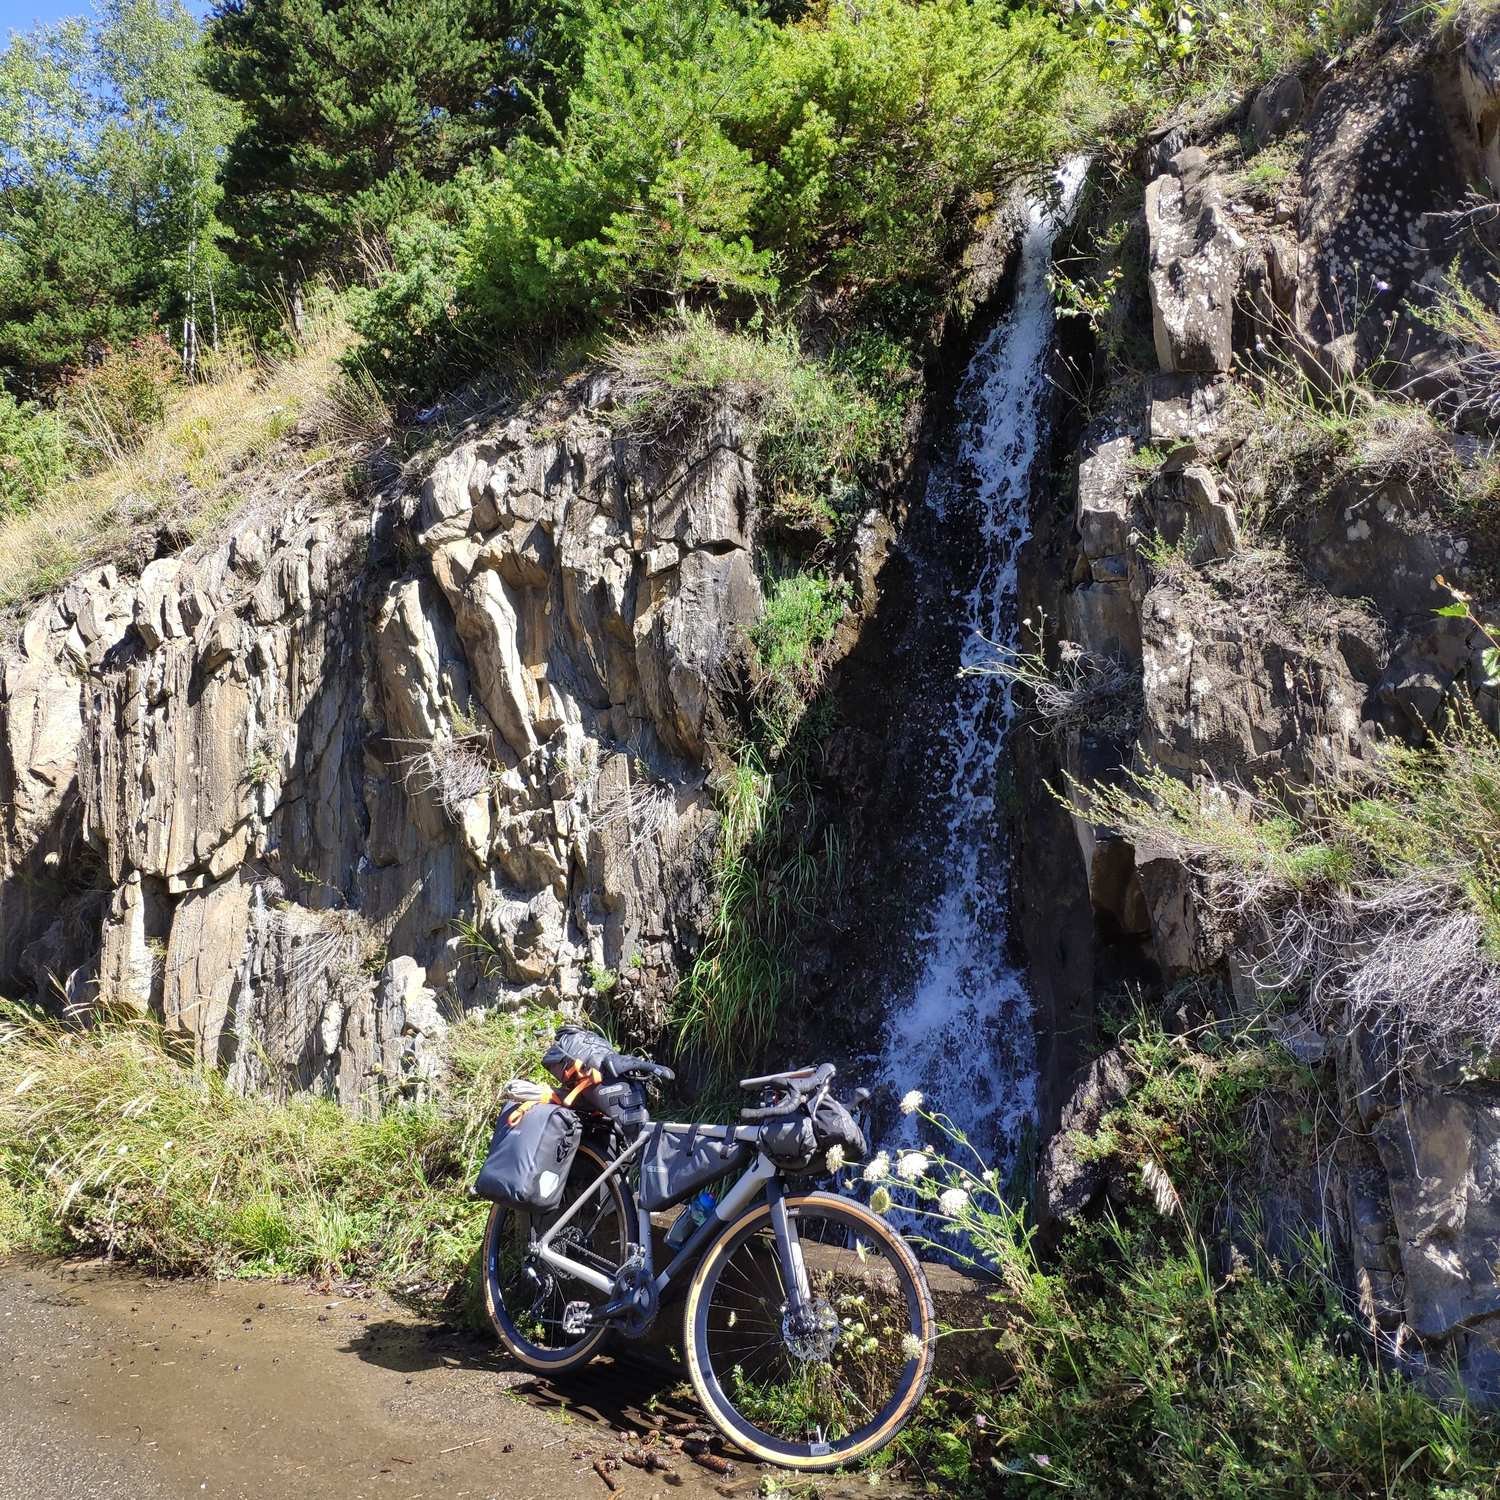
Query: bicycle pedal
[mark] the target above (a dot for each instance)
(576, 1318)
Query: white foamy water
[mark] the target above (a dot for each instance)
(963, 1033)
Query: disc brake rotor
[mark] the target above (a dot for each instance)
(811, 1335)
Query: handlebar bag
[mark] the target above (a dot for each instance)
(531, 1153)
(677, 1162)
(801, 1141)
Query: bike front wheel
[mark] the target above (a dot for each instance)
(840, 1381)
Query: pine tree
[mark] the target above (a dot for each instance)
(354, 109)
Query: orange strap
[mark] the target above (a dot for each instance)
(587, 1078)
(518, 1113)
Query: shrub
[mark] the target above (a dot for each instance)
(707, 154)
(407, 317)
(114, 404)
(33, 453)
(881, 122)
(640, 189)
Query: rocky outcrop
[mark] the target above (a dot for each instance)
(1196, 255)
(1281, 629)
(313, 791)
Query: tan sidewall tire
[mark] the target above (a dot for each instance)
(898, 1419)
(581, 1353)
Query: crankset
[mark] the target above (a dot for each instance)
(632, 1304)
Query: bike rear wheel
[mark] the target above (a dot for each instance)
(841, 1382)
(526, 1298)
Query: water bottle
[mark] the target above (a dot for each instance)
(693, 1214)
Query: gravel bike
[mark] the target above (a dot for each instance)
(807, 1320)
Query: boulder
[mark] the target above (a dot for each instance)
(1276, 109)
(1195, 259)
(1479, 79)
(1068, 1181)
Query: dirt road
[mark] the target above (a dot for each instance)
(113, 1384)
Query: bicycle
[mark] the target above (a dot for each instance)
(808, 1323)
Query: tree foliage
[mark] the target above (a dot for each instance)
(353, 109)
(108, 190)
(704, 154)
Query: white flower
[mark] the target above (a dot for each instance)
(952, 1201)
(878, 1166)
(912, 1166)
(880, 1201)
(911, 1346)
(911, 1102)
(835, 1158)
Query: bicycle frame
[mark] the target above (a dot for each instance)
(762, 1174)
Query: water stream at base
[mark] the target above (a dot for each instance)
(961, 1032)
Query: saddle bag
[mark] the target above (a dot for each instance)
(676, 1163)
(531, 1154)
(801, 1141)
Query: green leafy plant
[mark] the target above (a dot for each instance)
(1152, 1353)
(33, 453)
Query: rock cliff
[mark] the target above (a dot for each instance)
(1271, 610)
(288, 789)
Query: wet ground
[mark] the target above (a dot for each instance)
(112, 1384)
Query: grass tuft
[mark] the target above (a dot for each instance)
(111, 1141)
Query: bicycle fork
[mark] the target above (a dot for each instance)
(789, 1252)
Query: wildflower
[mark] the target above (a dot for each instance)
(835, 1158)
(912, 1166)
(878, 1166)
(880, 1201)
(1041, 1460)
(911, 1102)
(952, 1201)
(911, 1346)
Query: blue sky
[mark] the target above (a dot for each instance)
(22, 15)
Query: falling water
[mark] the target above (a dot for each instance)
(962, 1032)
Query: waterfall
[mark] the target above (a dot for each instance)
(961, 1030)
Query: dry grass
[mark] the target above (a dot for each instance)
(1374, 898)
(1083, 691)
(223, 441)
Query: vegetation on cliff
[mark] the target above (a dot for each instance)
(221, 275)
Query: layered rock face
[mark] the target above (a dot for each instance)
(312, 792)
(1278, 641)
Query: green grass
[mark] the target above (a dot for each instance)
(803, 610)
(1156, 1353)
(110, 1141)
(1431, 813)
(772, 866)
(820, 426)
